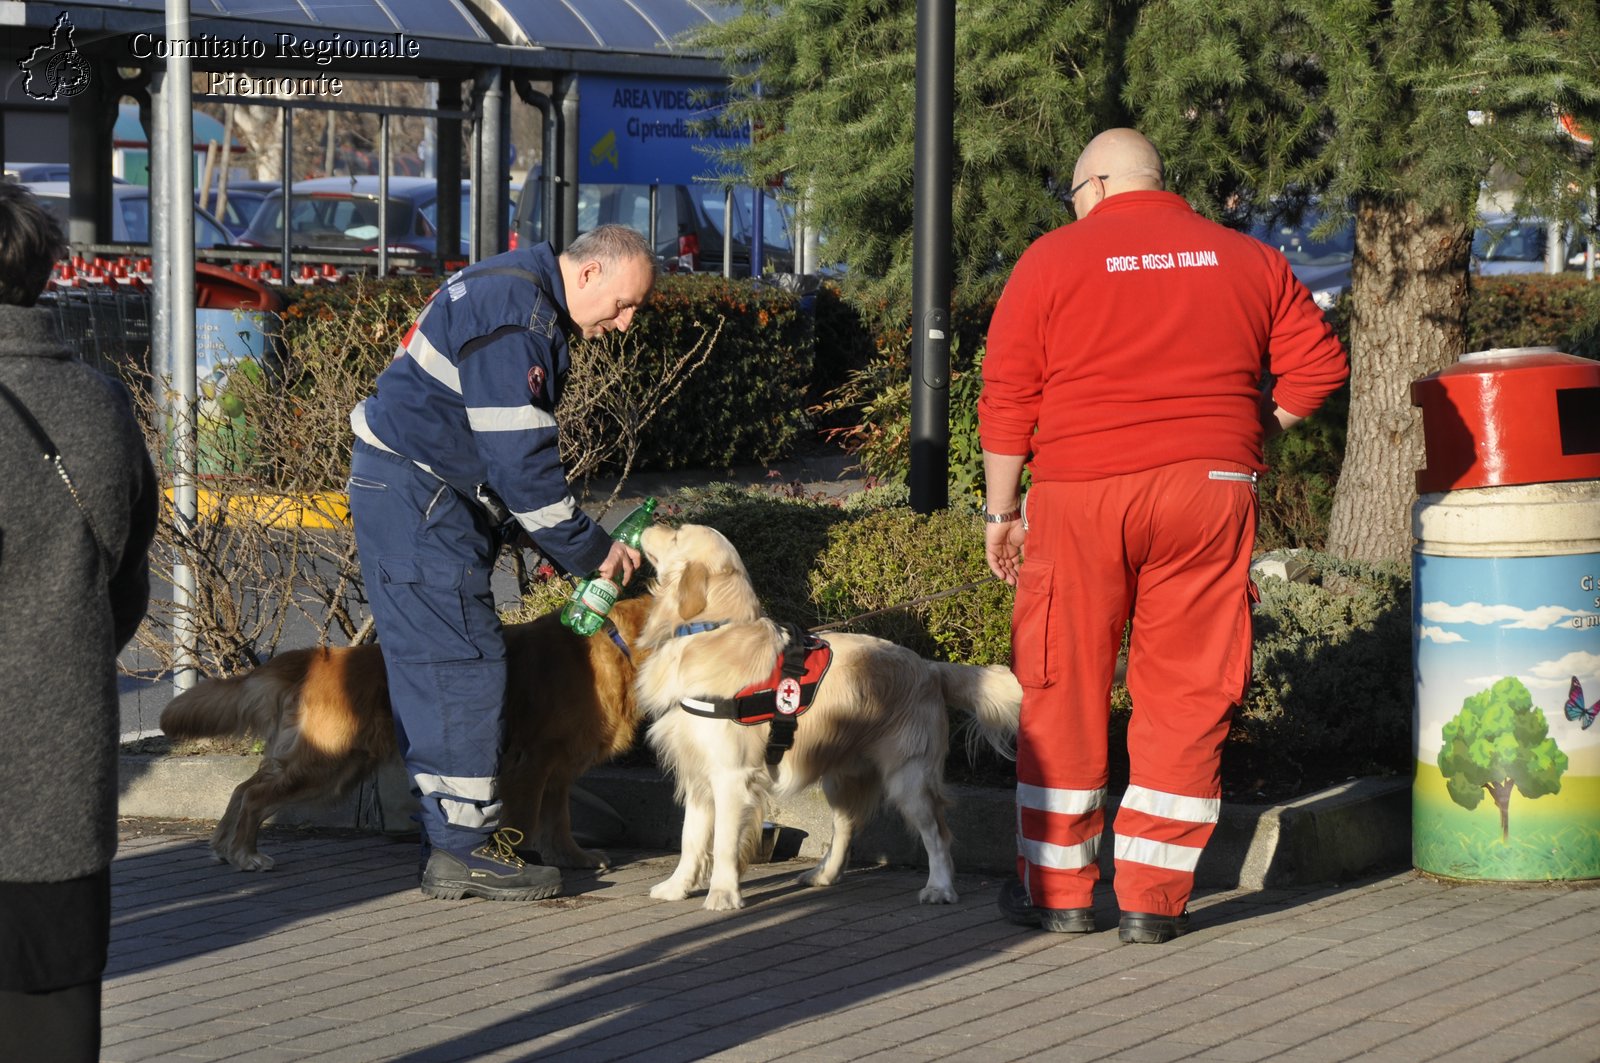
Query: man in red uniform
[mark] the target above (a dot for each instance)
(1126, 356)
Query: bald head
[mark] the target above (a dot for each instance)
(1119, 160)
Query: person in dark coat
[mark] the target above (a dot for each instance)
(74, 584)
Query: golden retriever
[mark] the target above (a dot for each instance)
(326, 719)
(877, 726)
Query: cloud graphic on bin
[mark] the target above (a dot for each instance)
(1559, 672)
(1439, 634)
(1507, 617)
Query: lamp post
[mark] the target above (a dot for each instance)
(930, 286)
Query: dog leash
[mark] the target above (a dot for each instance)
(924, 599)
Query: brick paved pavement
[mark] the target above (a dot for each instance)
(335, 956)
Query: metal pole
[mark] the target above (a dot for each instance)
(757, 229)
(160, 253)
(548, 152)
(429, 150)
(383, 196)
(178, 270)
(494, 175)
(476, 175)
(548, 175)
(287, 167)
(568, 93)
(1588, 237)
(727, 231)
(1555, 247)
(447, 174)
(930, 294)
(655, 210)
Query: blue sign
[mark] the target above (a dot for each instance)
(639, 130)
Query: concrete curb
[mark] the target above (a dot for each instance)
(1336, 834)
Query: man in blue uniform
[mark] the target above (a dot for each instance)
(461, 425)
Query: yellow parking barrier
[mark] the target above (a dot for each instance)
(318, 510)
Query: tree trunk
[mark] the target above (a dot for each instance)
(259, 128)
(1409, 307)
(1501, 792)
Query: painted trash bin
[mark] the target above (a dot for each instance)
(236, 329)
(1506, 619)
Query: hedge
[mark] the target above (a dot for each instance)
(747, 403)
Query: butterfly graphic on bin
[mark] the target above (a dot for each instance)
(1575, 707)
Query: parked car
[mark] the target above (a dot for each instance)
(1505, 244)
(34, 172)
(341, 214)
(689, 221)
(130, 214)
(29, 173)
(239, 210)
(1322, 265)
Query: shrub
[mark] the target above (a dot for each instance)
(1296, 491)
(780, 539)
(843, 344)
(1535, 310)
(748, 402)
(1332, 687)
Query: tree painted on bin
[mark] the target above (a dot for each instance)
(1499, 740)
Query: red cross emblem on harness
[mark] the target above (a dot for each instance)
(787, 700)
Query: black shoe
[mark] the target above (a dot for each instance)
(1014, 905)
(492, 871)
(525, 854)
(1141, 928)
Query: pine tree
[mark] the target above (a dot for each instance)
(1395, 113)
(1392, 113)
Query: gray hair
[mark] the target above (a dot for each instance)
(610, 244)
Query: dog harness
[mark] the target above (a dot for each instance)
(778, 699)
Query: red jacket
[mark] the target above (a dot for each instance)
(1137, 337)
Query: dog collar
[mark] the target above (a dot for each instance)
(779, 698)
(696, 628)
(616, 637)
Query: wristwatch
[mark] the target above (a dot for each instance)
(1001, 518)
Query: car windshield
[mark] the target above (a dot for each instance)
(339, 220)
(1294, 239)
(1509, 243)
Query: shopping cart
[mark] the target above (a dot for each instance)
(107, 325)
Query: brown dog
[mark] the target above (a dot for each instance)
(326, 719)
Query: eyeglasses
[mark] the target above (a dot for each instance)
(1073, 193)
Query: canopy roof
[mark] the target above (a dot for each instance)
(648, 27)
(615, 25)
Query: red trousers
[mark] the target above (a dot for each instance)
(1170, 547)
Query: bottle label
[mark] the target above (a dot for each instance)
(598, 594)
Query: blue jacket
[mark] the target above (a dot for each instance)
(471, 397)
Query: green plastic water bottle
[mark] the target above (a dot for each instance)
(591, 600)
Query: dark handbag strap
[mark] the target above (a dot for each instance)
(53, 456)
